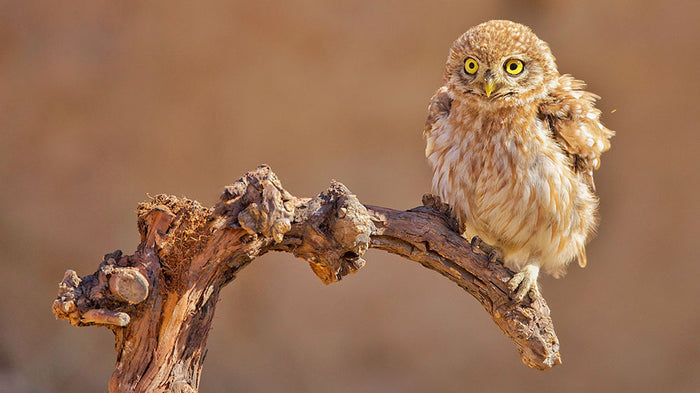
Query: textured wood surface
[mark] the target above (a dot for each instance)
(160, 301)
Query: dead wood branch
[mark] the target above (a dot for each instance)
(159, 302)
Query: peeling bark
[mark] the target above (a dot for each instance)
(160, 301)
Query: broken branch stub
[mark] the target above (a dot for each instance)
(103, 298)
(159, 302)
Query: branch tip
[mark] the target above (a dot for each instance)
(103, 316)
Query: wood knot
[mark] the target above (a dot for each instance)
(258, 204)
(128, 285)
(337, 234)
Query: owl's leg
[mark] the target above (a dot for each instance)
(525, 282)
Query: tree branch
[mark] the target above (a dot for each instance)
(160, 301)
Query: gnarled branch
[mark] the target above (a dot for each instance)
(159, 302)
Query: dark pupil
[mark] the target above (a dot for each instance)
(513, 66)
(470, 65)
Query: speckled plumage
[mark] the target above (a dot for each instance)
(514, 154)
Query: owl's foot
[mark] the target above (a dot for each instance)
(494, 253)
(524, 282)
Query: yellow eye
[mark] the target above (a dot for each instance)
(514, 66)
(470, 66)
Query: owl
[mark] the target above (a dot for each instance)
(513, 145)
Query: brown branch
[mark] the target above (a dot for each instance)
(160, 301)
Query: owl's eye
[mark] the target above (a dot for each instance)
(470, 66)
(514, 66)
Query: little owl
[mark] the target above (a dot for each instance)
(513, 145)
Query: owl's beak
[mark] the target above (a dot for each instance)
(489, 87)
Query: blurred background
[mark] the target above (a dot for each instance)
(103, 103)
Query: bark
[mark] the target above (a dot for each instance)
(160, 301)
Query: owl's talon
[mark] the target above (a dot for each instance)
(524, 282)
(476, 242)
(495, 255)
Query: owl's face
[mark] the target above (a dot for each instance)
(501, 62)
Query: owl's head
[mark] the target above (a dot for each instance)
(500, 61)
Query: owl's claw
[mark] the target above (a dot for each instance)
(495, 255)
(476, 242)
(524, 282)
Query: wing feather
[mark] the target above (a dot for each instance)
(575, 124)
(438, 110)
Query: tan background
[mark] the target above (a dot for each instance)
(104, 102)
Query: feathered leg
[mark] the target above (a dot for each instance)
(524, 282)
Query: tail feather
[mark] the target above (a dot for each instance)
(582, 261)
